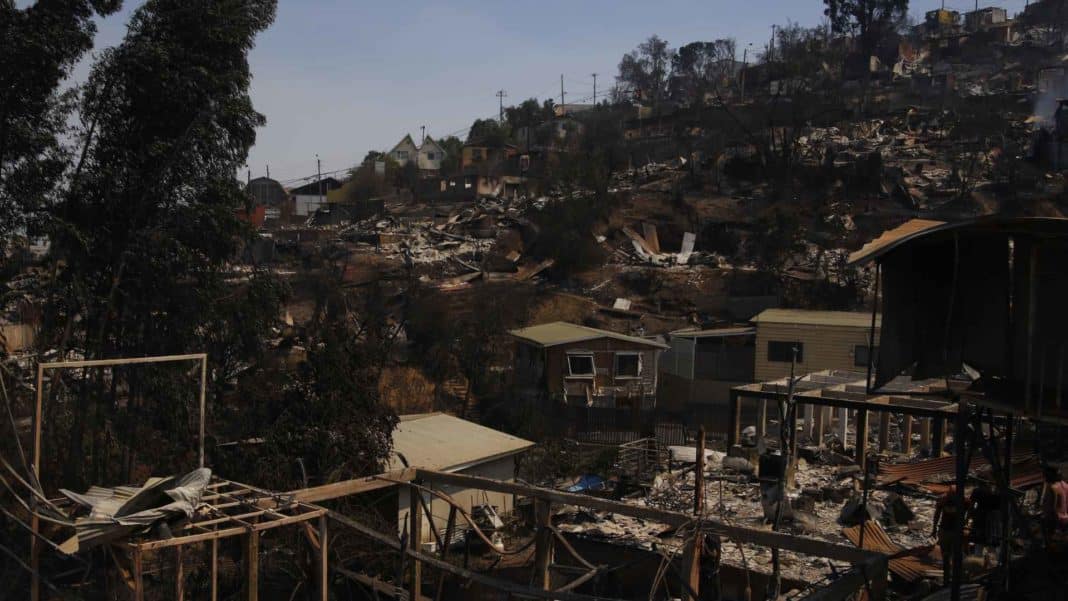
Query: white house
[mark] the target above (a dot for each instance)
(427, 157)
(311, 196)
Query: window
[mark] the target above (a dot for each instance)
(860, 355)
(783, 352)
(476, 154)
(580, 366)
(628, 365)
(430, 156)
(402, 155)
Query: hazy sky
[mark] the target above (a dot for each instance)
(340, 77)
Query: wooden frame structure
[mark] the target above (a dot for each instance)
(35, 522)
(233, 509)
(869, 568)
(847, 391)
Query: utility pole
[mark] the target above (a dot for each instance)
(561, 91)
(423, 139)
(771, 47)
(268, 172)
(319, 178)
(745, 65)
(594, 89)
(500, 101)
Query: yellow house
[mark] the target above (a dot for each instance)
(823, 339)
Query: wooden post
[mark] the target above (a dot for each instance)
(734, 421)
(938, 442)
(415, 541)
(925, 434)
(214, 569)
(843, 426)
(253, 566)
(699, 475)
(543, 545)
(791, 465)
(884, 431)
(762, 421)
(138, 576)
(862, 437)
(35, 522)
(449, 527)
(691, 565)
(822, 417)
(810, 419)
(906, 437)
(179, 574)
(324, 562)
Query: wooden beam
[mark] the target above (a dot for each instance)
(324, 561)
(236, 531)
(138, 576)
(449, 528)
(691, 565)
(734, 421)
(123, 361)
(253, 566)
(938, 440)
(376, 585)
(415, 541)
(543, 545)
(179, 574)
(215, 569)
(347, 488)
(767, 538)
(884, 431)
(925, 434)
(906, 437)
(699, 475)
(861, 450)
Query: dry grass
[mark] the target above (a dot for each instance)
(406, 390)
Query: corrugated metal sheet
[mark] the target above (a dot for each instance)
(908, 567)
(932, 473)
(442, 442)
(816, 318)
(891, 238)
(560, 332)
(717, 333)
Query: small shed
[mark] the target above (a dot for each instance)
(445, 443)
(823, 340)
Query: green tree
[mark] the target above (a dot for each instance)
(700, 68)
(453, 148)
(868, 20)
(143, 238)
(39, 45)
(646, 70)
(489, 131)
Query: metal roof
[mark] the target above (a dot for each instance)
(847, 319)
(715, 333)
(560, 332)
(918, 228)
(437, 441)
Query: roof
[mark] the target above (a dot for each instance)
(848, 319)
(921, 228)
(405, 141)
(437, 441)
(561, 332)
(329, 184)
(716, 333)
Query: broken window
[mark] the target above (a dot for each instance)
(628, 365)
(860, 355)
(580, 365)
(783, 352)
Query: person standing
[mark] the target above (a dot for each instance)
(1054, 504)
(947, 510)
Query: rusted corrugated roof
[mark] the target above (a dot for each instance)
(931, 473)
(892, 237)
(908, 567)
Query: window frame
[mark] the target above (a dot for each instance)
(615, 365)
(867, 355)
(792, 343)
(585, 376)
